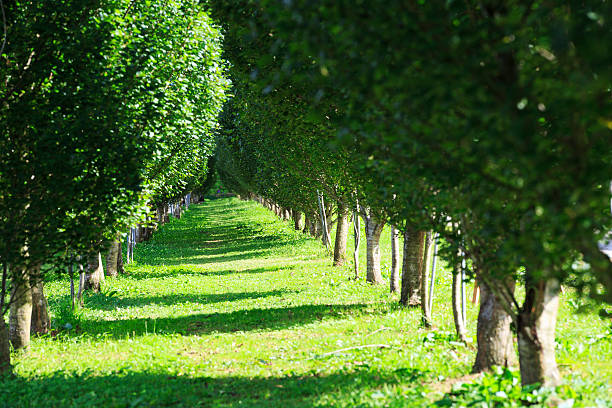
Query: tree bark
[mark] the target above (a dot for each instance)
(40, 323)
(536, 332)
(341, 235)
(394, 279)
(357, 234)
(323, 218)
(81, 281)
(318, 229)
(166, 212)
(141, 234)
(95, 274)
(495, 346)
(460, 328)
(426, 311)
(306, 229)
(373, 231)
(120, 268)
(160, 215)
(412, 266)
(312, 230)
(20, 315)
(329, 215)
(111, 258)
(297, 219)
(5, 349)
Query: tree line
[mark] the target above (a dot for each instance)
(108, 110)
(485, 124)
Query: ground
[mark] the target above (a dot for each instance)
(230, 306)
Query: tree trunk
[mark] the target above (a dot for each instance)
(494, 335)
(81, 282)
(297, 219)
(323, 218)
(41, 324)
(341, 235)
(357, 234)
(412, 266)
(373, 231)
(5, 349)
(160, 215)
(536, 332)
(95, 274)
(426, 311)
(457, 312)
(306, 229)
(394, 278)
(146, 232)
(141, 234)
(329, 213)
(20, 315)
(318, 229)
(111, 258)
(120, 268)
(166, 212)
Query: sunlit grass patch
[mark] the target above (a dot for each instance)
(229, 306)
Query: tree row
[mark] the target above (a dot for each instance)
(483, 124)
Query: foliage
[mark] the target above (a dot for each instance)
(194, 90)
(67, 317)
(103, 105)
(502, 389)
(270, 143)
(493, 115)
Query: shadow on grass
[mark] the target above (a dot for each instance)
(212, 250)
(240, 320)
(212, 234)
(102, 301)
(155, 389)
(178, 272)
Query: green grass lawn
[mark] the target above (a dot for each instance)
(230, 306)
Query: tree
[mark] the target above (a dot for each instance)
(90, 89)
(492, 116)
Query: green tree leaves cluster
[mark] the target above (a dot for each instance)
(490, 117)
(105, 105)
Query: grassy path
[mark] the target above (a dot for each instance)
(229, 306)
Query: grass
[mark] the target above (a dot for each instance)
(230, 306)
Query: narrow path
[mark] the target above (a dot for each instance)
(229, 306)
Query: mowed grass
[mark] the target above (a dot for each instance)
(230, 306)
